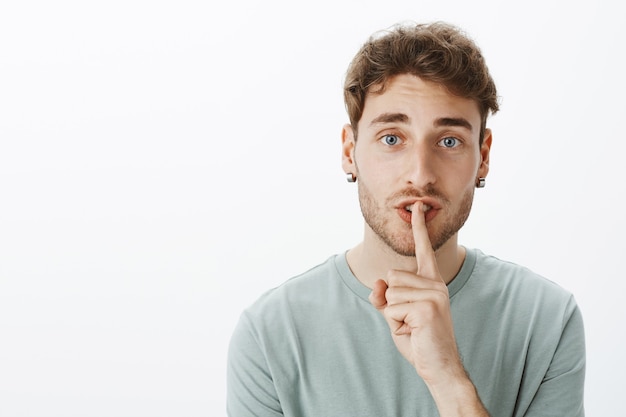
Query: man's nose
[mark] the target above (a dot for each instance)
(420, 169)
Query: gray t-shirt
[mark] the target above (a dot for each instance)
(316, 347)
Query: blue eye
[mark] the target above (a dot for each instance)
(391, 140)
(449, 142)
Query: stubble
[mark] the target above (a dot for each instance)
(382, 218)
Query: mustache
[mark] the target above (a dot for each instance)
(428, 191)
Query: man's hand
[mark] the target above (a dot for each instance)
(416, 306)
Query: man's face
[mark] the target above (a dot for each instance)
(416, 141)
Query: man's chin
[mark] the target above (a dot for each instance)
(408, 248)
(403, 248)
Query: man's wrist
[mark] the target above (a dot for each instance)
(457, 397)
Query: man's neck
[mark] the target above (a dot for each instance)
(371, 259)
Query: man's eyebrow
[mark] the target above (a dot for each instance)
(390, 118)
(453, 121)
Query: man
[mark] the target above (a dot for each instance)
(409, 322)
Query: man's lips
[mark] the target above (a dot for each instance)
(429, 206)
(424, 207)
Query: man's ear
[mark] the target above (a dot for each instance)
(348, 144)
(485, 150)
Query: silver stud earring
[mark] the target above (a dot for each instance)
(350, 177)
(480, 182)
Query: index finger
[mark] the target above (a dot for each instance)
(424, 254)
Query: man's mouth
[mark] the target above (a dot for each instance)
(430, 211)
(425, 208)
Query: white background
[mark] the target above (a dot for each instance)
(162, 163)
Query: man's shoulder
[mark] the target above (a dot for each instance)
(309, 278)
(304, 285)
(510, 277)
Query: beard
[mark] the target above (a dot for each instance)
(400, 238)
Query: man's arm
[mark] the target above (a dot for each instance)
(561, 392)
(250, 388)
(417, 309)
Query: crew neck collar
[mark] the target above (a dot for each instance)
(351, 281)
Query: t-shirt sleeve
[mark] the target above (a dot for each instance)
(250, 388)
(562, 389)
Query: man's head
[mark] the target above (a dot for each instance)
(418, 98)
(436, 52)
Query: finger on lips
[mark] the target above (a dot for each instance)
(424, 254)
(400, 287)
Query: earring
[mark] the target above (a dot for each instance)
(480, 182)
(350, 177)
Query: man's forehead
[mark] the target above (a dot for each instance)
(405, 92)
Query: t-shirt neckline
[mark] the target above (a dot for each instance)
(351, 281)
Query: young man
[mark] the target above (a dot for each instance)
(409, 322)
